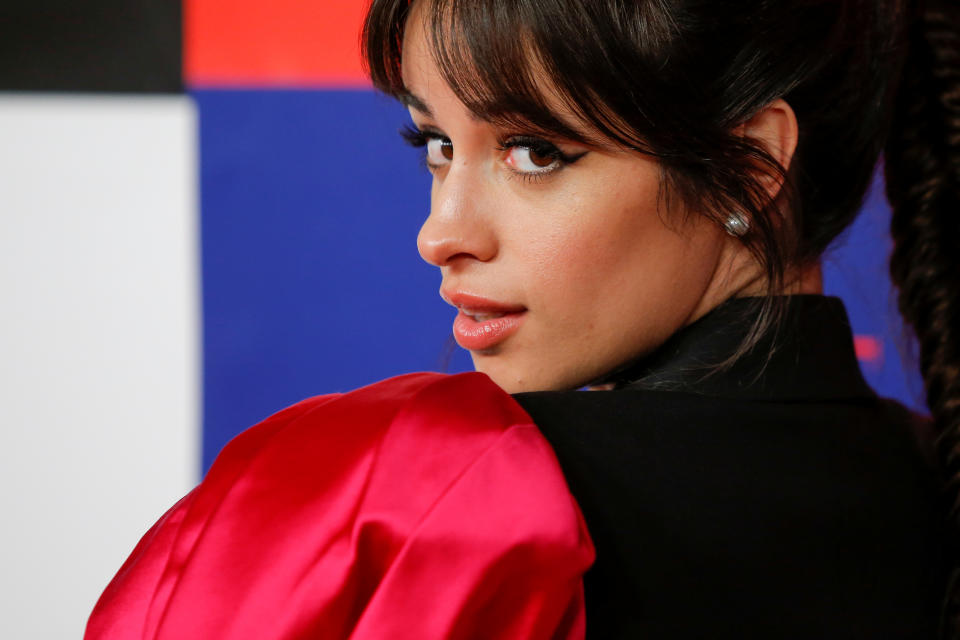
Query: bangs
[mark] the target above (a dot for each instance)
(522, 64)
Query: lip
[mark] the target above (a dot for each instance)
(480, 335)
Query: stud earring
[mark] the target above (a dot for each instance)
(736, 225)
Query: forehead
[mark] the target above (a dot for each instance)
(424, 88)
(418, 66)
(417, 58)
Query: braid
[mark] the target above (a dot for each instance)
(923, 186)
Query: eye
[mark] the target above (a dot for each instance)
(527, 160)
(439, 148)
(439, 151)
(534, 157)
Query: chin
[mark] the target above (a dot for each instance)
(502, 374)
(512, 385)
(518, 379)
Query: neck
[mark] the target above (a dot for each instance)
(809, 280)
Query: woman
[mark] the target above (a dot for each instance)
(630, 196)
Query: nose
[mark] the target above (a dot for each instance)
(459, 227)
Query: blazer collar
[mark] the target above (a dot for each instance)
(811, 357)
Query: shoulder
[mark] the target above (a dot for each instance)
(668, 409)
(433, 485)
(415, 412)
(412, 464)
(867, 442)
(425, 428)
(406, 448)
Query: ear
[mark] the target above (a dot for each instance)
(775, 128)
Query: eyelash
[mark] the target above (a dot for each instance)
(419, 138)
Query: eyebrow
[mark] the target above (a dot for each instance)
(410, 99)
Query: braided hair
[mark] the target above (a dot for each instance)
(922, 167)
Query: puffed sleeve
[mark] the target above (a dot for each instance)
(425, 506)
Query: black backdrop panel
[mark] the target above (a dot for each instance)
(91, 45)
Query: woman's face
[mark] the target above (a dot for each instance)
(554, 253)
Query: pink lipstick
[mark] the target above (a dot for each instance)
(482, 324)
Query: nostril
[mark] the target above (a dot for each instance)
(436, 251)
(441, 250)
(461, 256)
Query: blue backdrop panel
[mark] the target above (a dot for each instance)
(312, 282)
(856, 269)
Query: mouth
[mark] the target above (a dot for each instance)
(480, 315)
(482, 324)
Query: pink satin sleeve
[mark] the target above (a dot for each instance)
(425, 506)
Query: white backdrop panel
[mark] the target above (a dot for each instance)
(99, 342)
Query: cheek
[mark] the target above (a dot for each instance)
(609, 262)
(599, 236)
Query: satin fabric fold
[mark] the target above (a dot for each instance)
(425, 506)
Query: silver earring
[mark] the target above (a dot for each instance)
(736, 225)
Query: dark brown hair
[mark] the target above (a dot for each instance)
(922, 169)
(674, 78)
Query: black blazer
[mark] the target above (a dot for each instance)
(778, 499)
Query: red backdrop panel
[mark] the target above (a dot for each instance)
(296, 43)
